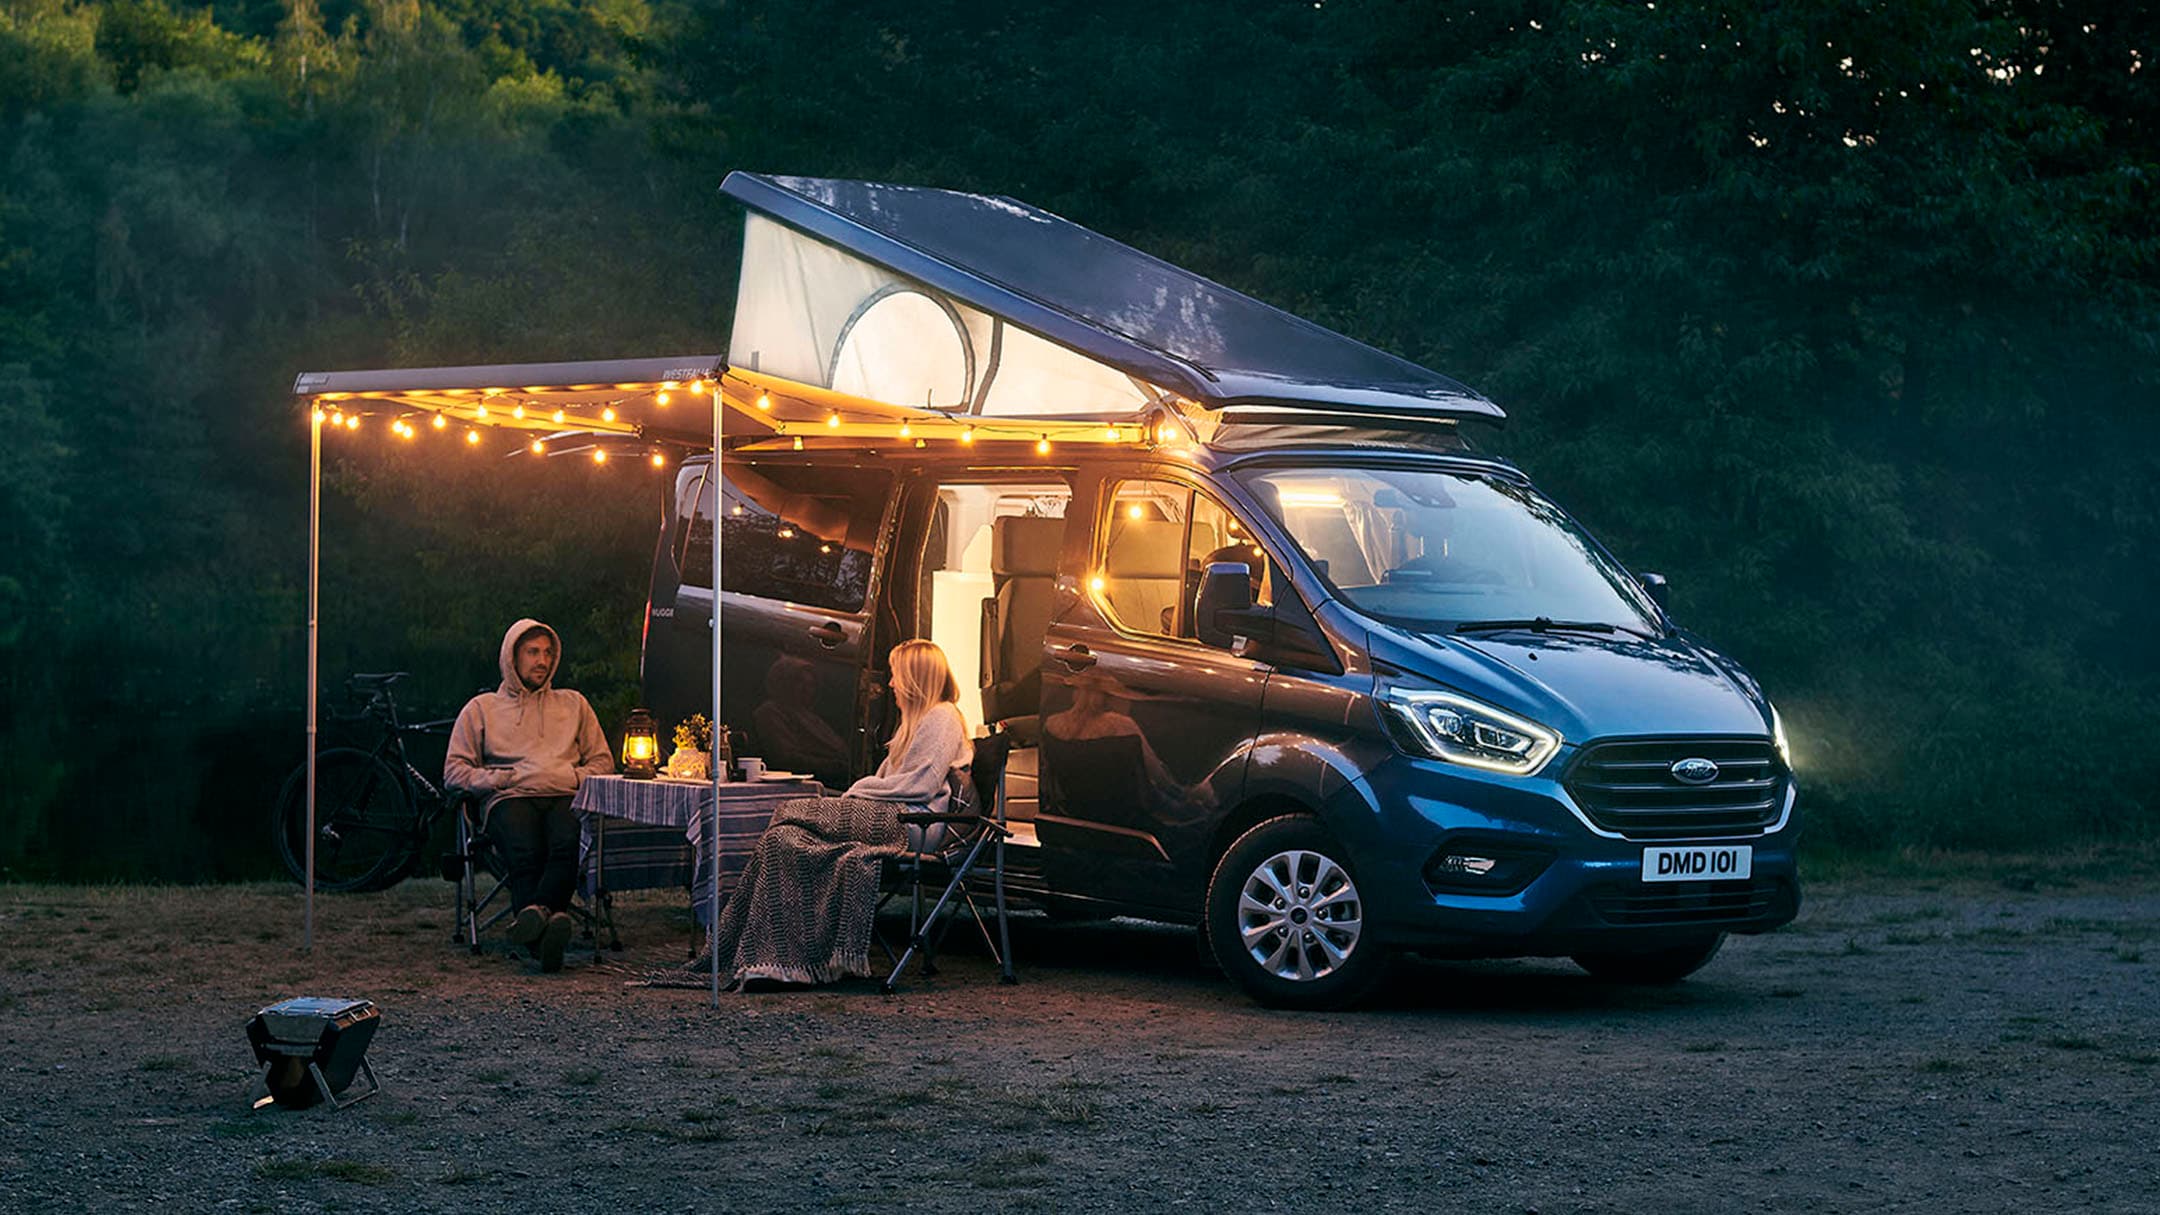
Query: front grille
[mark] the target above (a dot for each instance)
(1669, 903)
(1629, 787)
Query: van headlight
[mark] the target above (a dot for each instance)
(1469, 732)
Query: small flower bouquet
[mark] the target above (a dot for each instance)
(693, 742)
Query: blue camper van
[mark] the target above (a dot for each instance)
(1284, 656)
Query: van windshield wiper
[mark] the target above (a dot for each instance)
(1546, 624)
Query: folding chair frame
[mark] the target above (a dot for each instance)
(465, 865)
(982, 830)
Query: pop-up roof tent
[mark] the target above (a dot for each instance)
(880, 315)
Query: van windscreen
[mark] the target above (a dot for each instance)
(1433, 549)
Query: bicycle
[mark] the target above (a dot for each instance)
(374, 810)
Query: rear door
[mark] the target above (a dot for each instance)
(801, 550)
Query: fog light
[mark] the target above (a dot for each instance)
(313, 1048)
(1478, 867)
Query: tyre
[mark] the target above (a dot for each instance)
(1285, 918)
(1668, 965)
(363, 823)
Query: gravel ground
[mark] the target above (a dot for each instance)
(1965, 1048)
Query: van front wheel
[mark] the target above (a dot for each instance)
(1652, 966)
(1285, 918)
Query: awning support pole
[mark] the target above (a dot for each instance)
(314, 570)
(719, 773)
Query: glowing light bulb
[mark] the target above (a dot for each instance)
(472, 438)
(353, 422)
(608, 414)
(518, 412)
(764, 401)
(824, 548)
(921, 443)
(660, 399)
(1134, 512)
(697, 388)
(906, 430)
(787, 533)
(558, 417)
(1095, 583)
(1042, 446)
(658, 460)
(833, 419)
(538, 446)
(737, 510)
(320, 415)
(798, 442)
(1110, 434)
(1165, 433)
(441, 422)
(479, 411)
(599, 455)
(968, 435)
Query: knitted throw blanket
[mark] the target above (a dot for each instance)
(804, 908)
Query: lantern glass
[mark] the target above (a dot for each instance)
(641, 745)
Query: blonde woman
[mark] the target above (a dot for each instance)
(803, 910)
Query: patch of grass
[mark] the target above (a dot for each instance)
(1940, 1066)
(461, 1175)
(1703, 1048)
(1063, 1107)
(241, 1128)
(2072, 1042)
(696, 1132)
(1910, 938)
(1854, 949)
(1206, 1109)
(1011, 1169)
(1912, 998)
(2143, 1058)
(1787, 993)
(581, 1077)
(1910, 915)
(492, 1075)
(355, 1171)
(398, 1117)
(1335, 1078)
(2123, 953)
(166, 1063)
(1287, 1090)
(2077, 923)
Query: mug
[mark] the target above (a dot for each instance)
(751, 768)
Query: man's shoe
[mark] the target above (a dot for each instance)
(527, 927)
(553, 940)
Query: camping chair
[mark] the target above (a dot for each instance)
(477, 860)
(947, 849)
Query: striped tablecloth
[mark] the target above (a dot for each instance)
(655, 828)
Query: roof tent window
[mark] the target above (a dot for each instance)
(810, 312)
(905, 346)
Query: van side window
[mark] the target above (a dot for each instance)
(793, 533)
(1160, 538)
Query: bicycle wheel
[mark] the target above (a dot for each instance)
(363, 822)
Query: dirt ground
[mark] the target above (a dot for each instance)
(1927, 1047)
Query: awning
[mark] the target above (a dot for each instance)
(983, 306)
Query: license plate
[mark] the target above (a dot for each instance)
(1700, 863)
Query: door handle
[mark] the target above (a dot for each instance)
(1076, 657)
(828, 634)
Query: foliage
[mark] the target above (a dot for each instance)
(1843, 314)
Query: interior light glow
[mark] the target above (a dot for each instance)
(1313, 498)
(1110, 434)
(906, 431)
(1095, 583)
(697, 388)
(518, 412)
(353, 422)
(921, 443)
(1135, 512)
(479, 411)
(824, 548)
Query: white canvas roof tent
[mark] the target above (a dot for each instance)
(872, 315)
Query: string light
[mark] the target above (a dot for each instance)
(538, 446)
(833, 419)
(608, 414)
(660, 399)
(472, 438)
(824, 548)
(658, 460)
(319, 416)
(599, 455)
(1134, 512)
(353, 422)
(968, 435)
(441, 422)
(479, 411)
(558, 417)
(1042, 446)
(798, 442)
(518, 412)
(697, 388)
(764, 402)
(1110, 434)
(921, 443)
(906, 430)
(787, 533)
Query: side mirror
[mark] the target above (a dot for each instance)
(1225, 609)
(1655, 586)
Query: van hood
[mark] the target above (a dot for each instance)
(1587, 685)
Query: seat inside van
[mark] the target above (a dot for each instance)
(1023, 568)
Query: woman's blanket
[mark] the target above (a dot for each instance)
(804, 910)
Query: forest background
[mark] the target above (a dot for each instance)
(1843, 314)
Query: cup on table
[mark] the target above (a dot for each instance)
(751, 768)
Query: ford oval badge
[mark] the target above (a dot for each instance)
(1694, 771)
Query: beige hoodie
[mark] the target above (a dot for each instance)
(515, 742)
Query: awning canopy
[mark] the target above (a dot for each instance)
(979, 305)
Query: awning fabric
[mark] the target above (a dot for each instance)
(980, 305)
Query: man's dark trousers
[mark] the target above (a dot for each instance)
(539, 839)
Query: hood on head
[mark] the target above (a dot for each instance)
(506, 660)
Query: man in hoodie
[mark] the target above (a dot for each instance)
(524, 747)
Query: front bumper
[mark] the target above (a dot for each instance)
(1587, 892)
